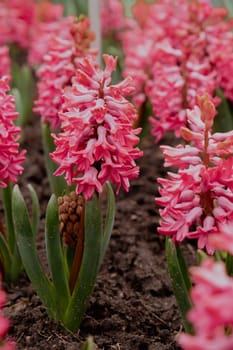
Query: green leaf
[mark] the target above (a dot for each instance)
(27, 248)
(82, 7)
(24, 90)
(5, 257)
(224, 120)
(15, 267)
(19, 105)
(229, 264)
(89, 267)
(183, 267)
(55, 257)
(35, 210)
(179, 283)
(57, 183)
(6, 197)
(109, 221)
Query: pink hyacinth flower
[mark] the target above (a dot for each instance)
(48, 22)
(97, 139)
(10, 156)
(112, 16)
(5, 61)
(211, 314)
(176, 51)
(198, 200)
(59, 66)
(16, 18)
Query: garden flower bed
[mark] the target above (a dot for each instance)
(116, 165)
(132, 306)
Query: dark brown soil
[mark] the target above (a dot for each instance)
(132, 307)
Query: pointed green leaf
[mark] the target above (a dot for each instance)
(183, 267)
(178, 282)
(27, 248)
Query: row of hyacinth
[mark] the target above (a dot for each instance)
(175, 51)
(197, 203)
(198, 198)
(174, 57)
(96, 142)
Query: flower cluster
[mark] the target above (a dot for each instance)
(23, 21)
(182, 50)
(198, 199)
(10, 157)
(211, 314)
(5, 61)
(97, 139)
(59, 65)
(47, 23)
(112, 16)
(16, 18)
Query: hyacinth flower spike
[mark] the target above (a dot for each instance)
(198, 199)
(55, 74)
(11, 159)
(94, 149)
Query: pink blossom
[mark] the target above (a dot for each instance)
(211, 314)
(5, 61)
(183, 49)
(16, 18)
(198, 200)
(10, 156)
(48, 22)
(112, 16)
(59, 66)
(97, 139)
(223, 240)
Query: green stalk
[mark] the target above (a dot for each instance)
(27, 248)
(57, 183)
(180, 281)
(89, 267)
(56, 257)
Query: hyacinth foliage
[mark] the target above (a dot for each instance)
(197, 199)
(95, 147)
